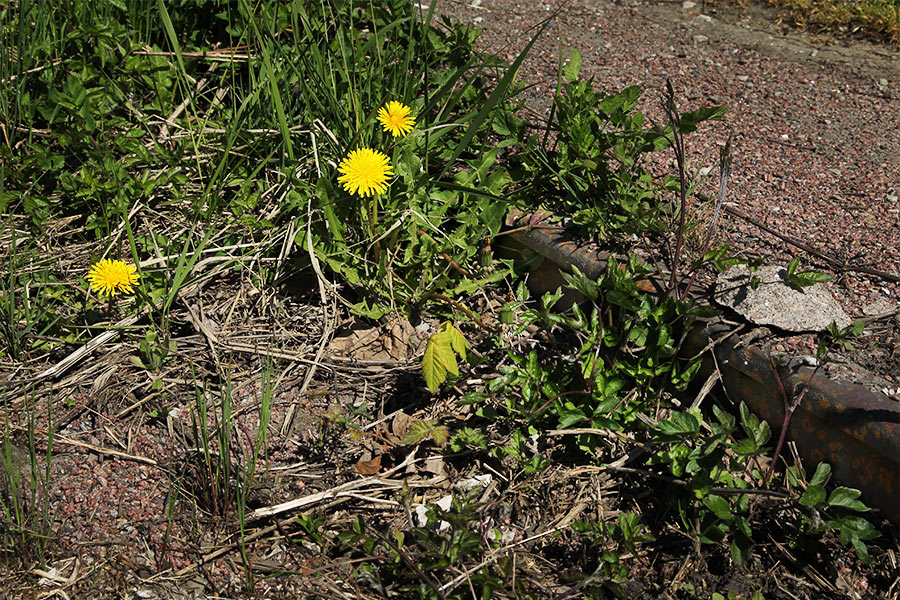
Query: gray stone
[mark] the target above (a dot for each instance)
(774, 302)
(881, 306)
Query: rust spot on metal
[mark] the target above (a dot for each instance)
(860, 430)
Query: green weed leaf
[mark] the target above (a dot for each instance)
(432, 369)
(573, 66)
(803, 279)
(423, 430)
(720, 507)
(441, 354)
(822, 475)
(740, 549)
(847, 498)
(813, 496)
(690, 120)
(468, 437)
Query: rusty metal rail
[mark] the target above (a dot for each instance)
(856, 431)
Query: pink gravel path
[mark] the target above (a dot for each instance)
(816, 127)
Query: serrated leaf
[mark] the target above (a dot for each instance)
(745, 447)
(440, 434)
(573, 66)
(725, 419)
(422, 430)
(440, 355)
(434, 372)
(457, 341)
(443, 352)
(581, 282)
(468, 437)
(680, 423)
(418, 431)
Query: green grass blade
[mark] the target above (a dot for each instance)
(493, 100)
(272, 80)
(170, 33)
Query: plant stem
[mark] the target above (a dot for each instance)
(678, 147)
(724, 172)
(789, 407)
(459, 305)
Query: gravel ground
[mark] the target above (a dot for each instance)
(815, 125)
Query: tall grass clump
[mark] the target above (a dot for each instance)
(25, 517)
(419, 238)
(232, 120)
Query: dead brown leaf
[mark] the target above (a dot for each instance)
(369, 467)
(394, 340)
(400, 425)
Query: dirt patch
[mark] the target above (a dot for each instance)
(766, 30)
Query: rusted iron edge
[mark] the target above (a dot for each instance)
(856, 431)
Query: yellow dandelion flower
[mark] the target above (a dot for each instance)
(365, 172)
(108, 276)
(394, 117)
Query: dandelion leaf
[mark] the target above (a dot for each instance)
(573, 66)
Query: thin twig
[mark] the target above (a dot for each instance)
(61, 439)
(269, 511)
(887, 275)
(459, 305)
(493, 557)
